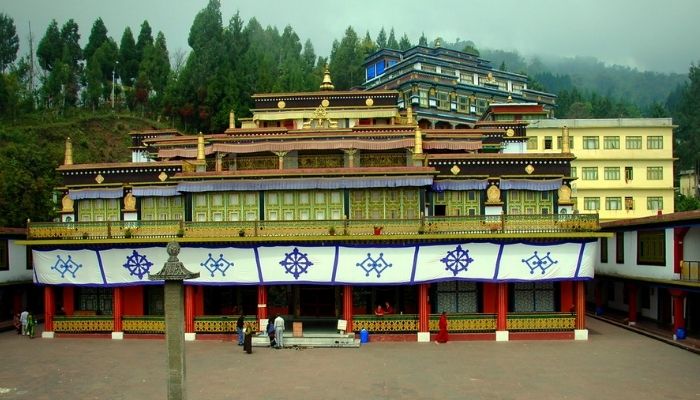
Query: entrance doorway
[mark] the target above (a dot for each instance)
(317, 301)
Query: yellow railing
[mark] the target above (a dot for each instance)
(478, 224)
(538, 322)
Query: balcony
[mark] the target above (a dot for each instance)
(478, 225)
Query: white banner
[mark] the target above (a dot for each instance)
(309, 264)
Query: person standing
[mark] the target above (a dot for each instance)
(17, 323)
(270, 329)
(239, 329)
(23, 320)
(279, 331)
(31, 323)
(442, 325)
(248, 342)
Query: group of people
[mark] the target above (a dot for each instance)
(387, 309)
(25, 324)
(274, 330)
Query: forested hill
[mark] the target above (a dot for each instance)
(33, 148)
(586, 75)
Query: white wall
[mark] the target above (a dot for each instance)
(18, 264)
(630, 268)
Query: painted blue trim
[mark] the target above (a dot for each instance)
(102, 269)
(498, 261)
(415, 264)
(580, 259)
(335, 263)
(257, 262)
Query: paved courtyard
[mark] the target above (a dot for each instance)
(613, 364)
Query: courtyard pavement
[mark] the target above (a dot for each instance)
(614, 363)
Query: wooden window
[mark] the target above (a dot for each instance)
(633, 142)
(589, 173)
(548, 143)
(629, 174)
(611, 142)
(655, 173)
(611, 173)
(591, 203)
(591, 142)
(532, 143)
(651, 247)
(613, 203)
(604, 250)
(629, 203)
(620, 247)
(571, 142)
(655, 142)
(655, 203)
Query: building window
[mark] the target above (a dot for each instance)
(548, 143)
(423, 98)
(633, 142)
(443, 100)
(611, 142)
(573, 172)
(4, 255)
(613, 203)
(611, 173)
(655, 203)
(589, 173)
(590, 142)
(463, 104)
(532, 143)
(655, 173)
(629, 203)
(628, 174)
(651, 247)
(571, 142)
(604, 250)
(620, 247)
(655, 142)
(591, 203)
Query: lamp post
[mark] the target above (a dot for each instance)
(174, 273)
(114, 70)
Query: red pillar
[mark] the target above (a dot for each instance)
(262, 304)
(678, 309)
(117, 308)
(199, 300)
(347, 306)
(678, 237)
(580, 306)
(423, 308)
(48, 308)
(189, 309)
(69, 300)
(632, 303)
(490, 298)
(566, 296)
(17, 306)
(502, 307)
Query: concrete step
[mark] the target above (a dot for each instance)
(312, 340)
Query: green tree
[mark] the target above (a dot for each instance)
(71, 57)
(128, 58)
(470, 48)
(98, 35)
(423, 41)
(404, 43)
(391, 42)
(93, 77)
(686, 203)
(154, 71)
(381, 39)
(144, 40)
(346, 61)
(687, 115)
(50, 49)
(9, 42)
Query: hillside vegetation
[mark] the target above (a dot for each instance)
(33, 148)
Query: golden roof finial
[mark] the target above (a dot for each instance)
(200, 146)
(409, 115)
(509, 99)
(437, 42)
(418, 149)
(68, 156)
(231, 120)
(327, 84)
(565, 140)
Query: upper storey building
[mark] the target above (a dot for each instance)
(447, 88)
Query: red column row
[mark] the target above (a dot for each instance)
(347, 306)
(48, 308)
(423, 308)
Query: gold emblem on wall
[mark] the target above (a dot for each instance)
(325, 102)
(493, 194)
(163, 176)
(455, 170)
(129, 202)
(281, 104)
(529, 169)
(510, 132)
(369, 102)
(99, 178)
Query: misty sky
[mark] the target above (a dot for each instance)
(648, 35)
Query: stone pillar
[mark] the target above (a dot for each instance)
(423, 313)
(502, 313)
(190, 334)
(678, 312)
(347, 306)
(580, 331)
(632, 303)
(48, 312)
(117, 311)
(280, 159)
(262, 304)
(174, 273)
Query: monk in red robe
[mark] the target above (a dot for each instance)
(442, 325)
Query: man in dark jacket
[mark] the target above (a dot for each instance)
(239, 329)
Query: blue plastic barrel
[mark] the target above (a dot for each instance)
(680, 333)
(364, 336)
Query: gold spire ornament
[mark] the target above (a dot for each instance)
(68, 157)
(200, 147)
(231, 120)
(418, 149)
(565, 140)
(327, 83)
